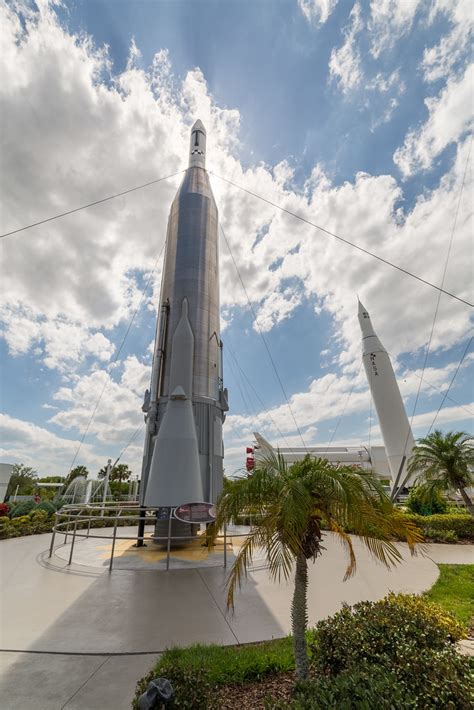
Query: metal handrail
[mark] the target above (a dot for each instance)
(74, 515)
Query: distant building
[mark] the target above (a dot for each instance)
(371, 458)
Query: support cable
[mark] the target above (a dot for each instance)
(438, 389)
(450, 385)
(259, 399)
(116, 358)
(264, 339)
(345, 241)
(90, 204)
(130, 442)
(341, 416)
(396, 487)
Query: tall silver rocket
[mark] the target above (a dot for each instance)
(186, 404)
(393, 420)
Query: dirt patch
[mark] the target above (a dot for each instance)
(251, 696)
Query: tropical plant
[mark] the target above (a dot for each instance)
(290, 505)
(74, 473)
(418, 504)
(444, 462)
(120, 472)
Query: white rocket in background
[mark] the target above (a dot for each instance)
(393, 420)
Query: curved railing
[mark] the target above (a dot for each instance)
(76, 521)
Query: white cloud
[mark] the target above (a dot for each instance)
(317, 11)
(67, 284)
(345, 65)
(119, 412)
(63, 344)
(448, 415)
(389, 21)
(449, 119)
(25, 442)
(453, 48)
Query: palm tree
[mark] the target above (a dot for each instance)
(444, 462)
(289, 505)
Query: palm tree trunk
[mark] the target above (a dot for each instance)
(299, 617)
(468, 502)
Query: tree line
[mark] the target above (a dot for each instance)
(25, 481)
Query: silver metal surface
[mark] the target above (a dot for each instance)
(191, 272)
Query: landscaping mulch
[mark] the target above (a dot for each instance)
(251, 696)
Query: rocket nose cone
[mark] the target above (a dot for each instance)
(364, 321)
(362, 312)
(198, 126)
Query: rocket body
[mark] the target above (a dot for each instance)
(187, 364)
(392, 416)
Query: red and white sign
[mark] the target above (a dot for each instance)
(195, 513)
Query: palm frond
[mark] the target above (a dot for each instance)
(346, 542)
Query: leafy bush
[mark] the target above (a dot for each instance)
(396, 652)
(433, 679)
(441, 535)
(21, 526)
(418, 502)
(23, 509)
(46, 506)
(192, 688)
(462, 524)
(37, 522)
(4, 509)
(380, 633)
(41, 522)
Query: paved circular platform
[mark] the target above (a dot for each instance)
(89, 634)
(95, 551)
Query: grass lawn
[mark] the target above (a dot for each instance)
(454, 591)
(233, 664)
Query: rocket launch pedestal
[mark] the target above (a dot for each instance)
(392, 416)
(186, 404)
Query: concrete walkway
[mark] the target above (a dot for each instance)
(50, 611)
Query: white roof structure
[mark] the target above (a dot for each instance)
(371, 458)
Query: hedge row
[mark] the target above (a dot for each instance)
(26, 519)
(445, 527)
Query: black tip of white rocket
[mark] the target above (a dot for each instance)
(197, 149)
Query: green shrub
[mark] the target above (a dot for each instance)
(440, 535)
(46, 506)
(5, 528)
(191, 686)
(21, 525)
(418, 502)
(41, 522)
(377, 631)
(23, 509)
(429, 680)
(462, 524)
(37, 522)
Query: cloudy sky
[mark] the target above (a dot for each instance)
(355, 115)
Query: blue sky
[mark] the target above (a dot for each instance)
(355, 115)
